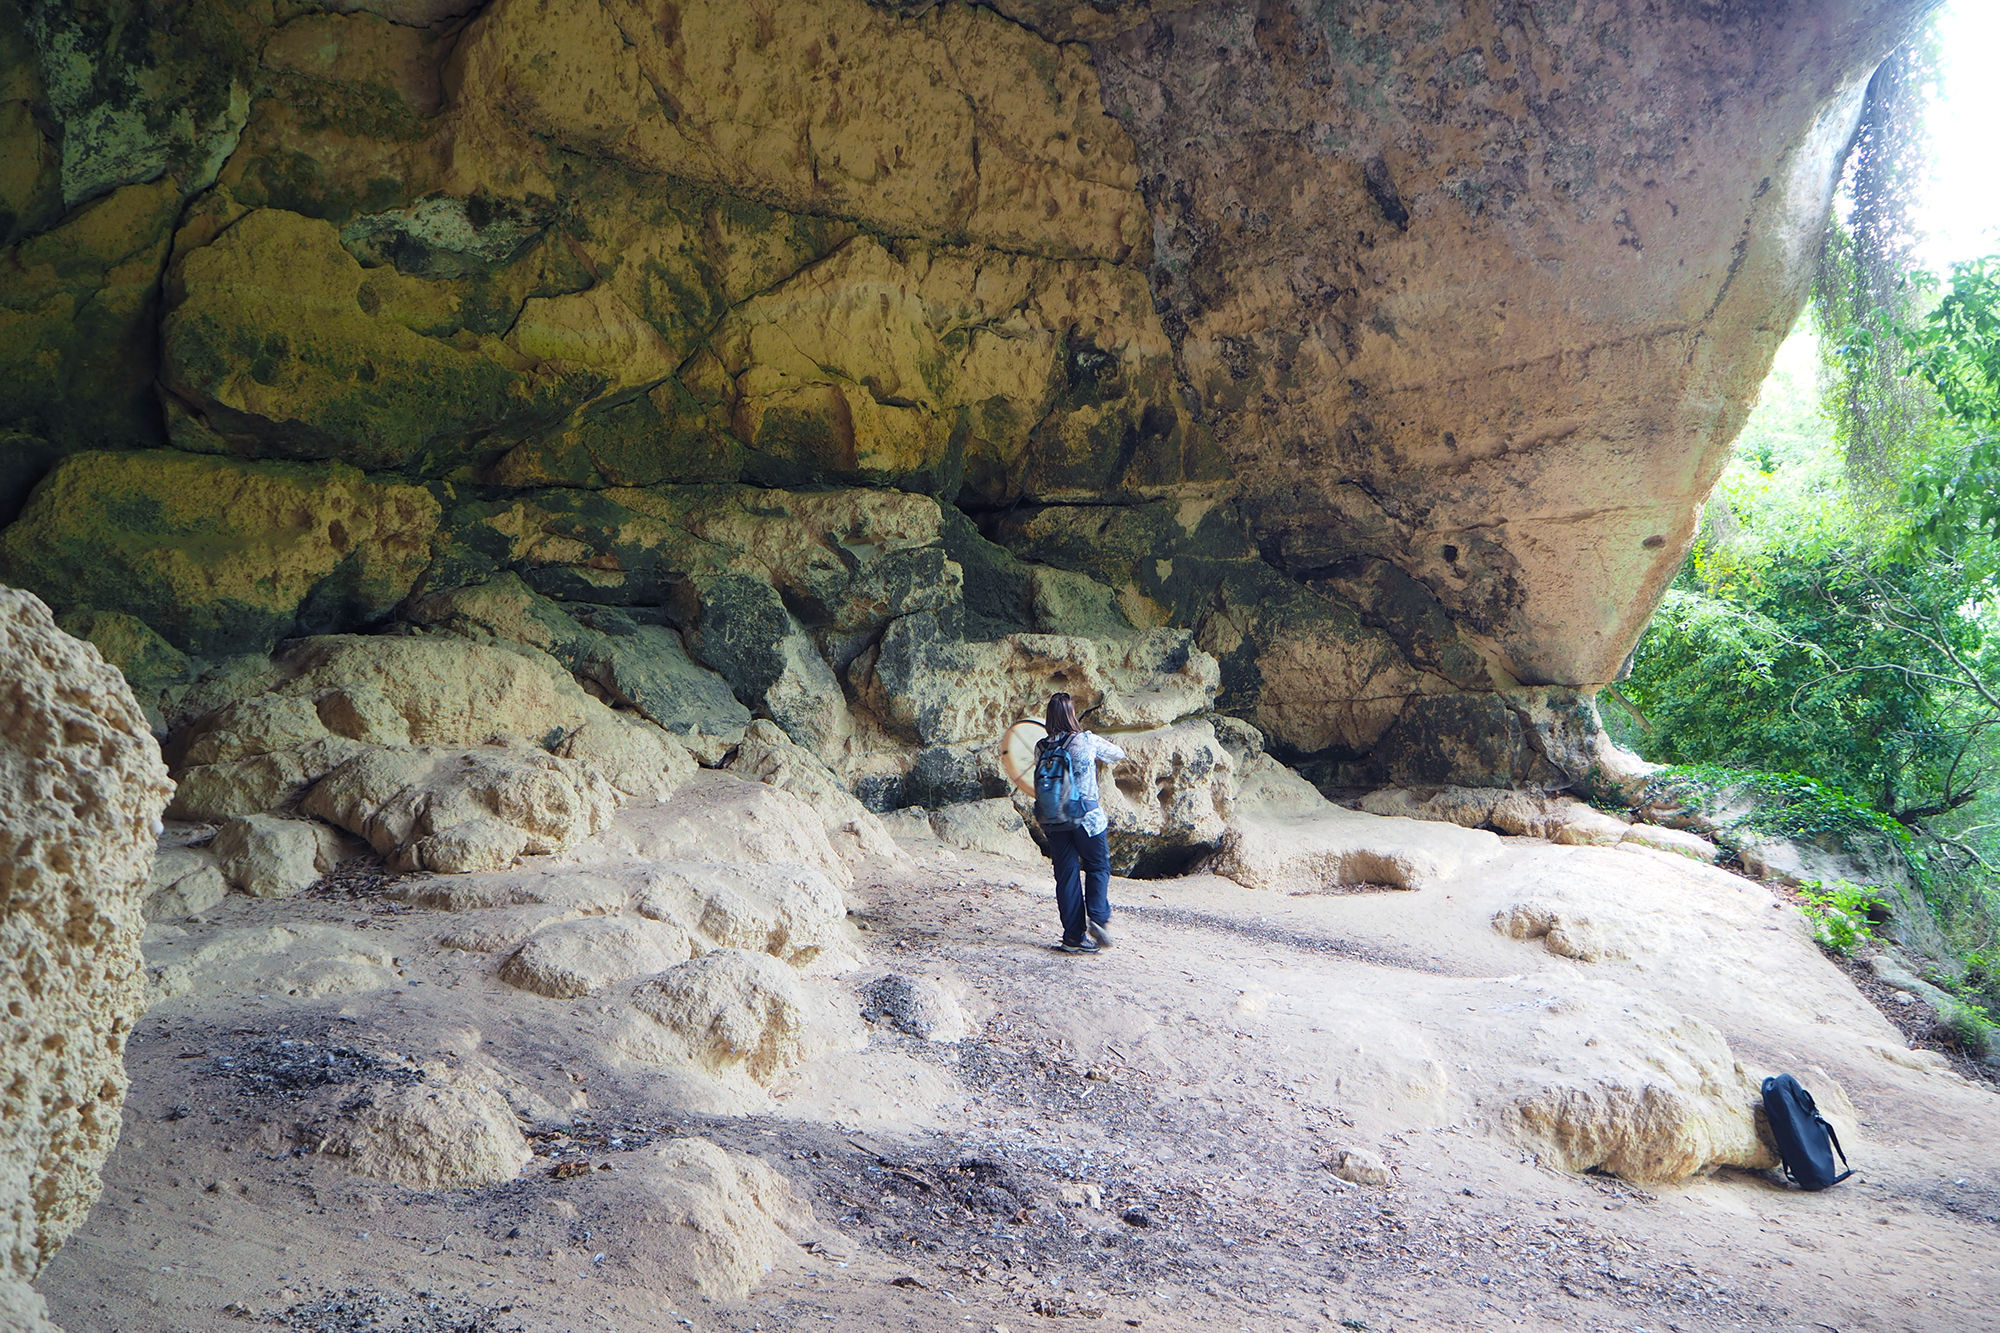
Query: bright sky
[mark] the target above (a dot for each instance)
(1961, 212)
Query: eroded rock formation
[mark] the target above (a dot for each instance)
(82, 786)
(1386, 351)
(460, 420)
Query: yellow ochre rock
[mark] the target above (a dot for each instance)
(218, 555)
(959, 125)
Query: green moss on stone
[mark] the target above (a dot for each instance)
(218, 556)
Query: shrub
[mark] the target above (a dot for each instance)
(1842, 913)
(1964, 1026)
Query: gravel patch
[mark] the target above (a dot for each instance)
(369, 1311)
(290, 1066)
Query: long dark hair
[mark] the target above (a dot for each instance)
(1062, 714)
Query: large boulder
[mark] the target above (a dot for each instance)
(78, 335)
(1521, 814)
(381, 369)
(83, 787)
(996, 827)
(719, 817)
(741, 626)
(221, 556)
(845, 559)
(698, 1216)
(269, 857)
(940, 690)
(185, 881)
(1626, 1086)
(127, 109)
(325, 702)
(440, 1132)
(1314, 672)
(1331, 847)
(303, 960)
(1560, 819)
(636, 664)
(579, 930)
(418, 690)
(154, 668)
(638, 759)
(790, 912)
(452, 810)
(572, 959)
(1169, 800)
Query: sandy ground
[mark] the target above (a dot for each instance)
(1132, 1140)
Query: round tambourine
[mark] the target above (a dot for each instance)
(1017, 753)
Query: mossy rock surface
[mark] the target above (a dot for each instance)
(144, 89)
(631, 656)
(288, 347)
(219, 556)
(78, 325)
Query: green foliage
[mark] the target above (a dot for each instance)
(1957, 348)
(1955, 489)
(1964, 897)
(1799, 657)
(1862, 291)
(1843, 914)
(1967, 1028)
(1779, 805)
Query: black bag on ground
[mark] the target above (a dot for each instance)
(1805, 1141)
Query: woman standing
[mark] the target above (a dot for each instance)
(1073, 822)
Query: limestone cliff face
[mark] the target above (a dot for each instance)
(1387, 349)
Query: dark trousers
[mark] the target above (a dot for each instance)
(1083, 880)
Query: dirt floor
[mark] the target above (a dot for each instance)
(1137, 1139)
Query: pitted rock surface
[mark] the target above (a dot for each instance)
(83, 787)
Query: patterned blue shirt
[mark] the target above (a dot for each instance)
(1086, 750)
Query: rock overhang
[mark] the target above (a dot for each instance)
(1389, 351)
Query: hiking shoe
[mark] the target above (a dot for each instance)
(1085, 946)
(1101, 932)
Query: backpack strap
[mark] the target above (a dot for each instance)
(1837, 1148)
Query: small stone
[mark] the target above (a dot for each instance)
(1677, 841)
(194, 892)
(459, 810)
(1359, 1166)
(728, 1010)
(1083, 1196)
(768, 755)
(994, 827)
(436, 1134)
